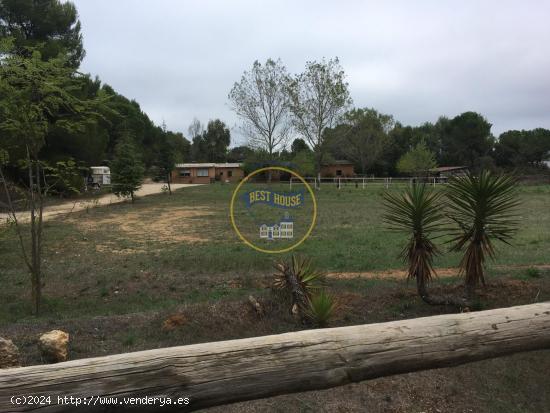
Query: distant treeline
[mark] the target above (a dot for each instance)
(294, 132)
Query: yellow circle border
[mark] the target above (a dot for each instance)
(232, 210)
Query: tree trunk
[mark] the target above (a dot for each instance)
(168, 182)
(473, 267)
(218, 373)
(319, 165)
(35, 228)
(427, 297)
(36, 291)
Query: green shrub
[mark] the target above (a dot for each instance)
(299, 277)
(321, 309)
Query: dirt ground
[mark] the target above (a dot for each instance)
(498, 385)
(139, 276)
(161, 226)
(79, 205)
(440, 272)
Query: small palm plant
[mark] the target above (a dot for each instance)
(417, 212)
(321, 309)
(483, 208)
(299, 277)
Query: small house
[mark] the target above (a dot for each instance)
(205, 173)
(341, 168)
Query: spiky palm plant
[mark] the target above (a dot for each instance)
(321, 309)
(417, 212)
(299, 277)
(482, 206)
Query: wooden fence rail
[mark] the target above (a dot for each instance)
(223, 372)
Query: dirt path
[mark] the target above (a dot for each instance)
(441, 272)
(78, 205)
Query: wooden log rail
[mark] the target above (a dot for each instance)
(224, 372)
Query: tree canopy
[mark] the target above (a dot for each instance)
(418, 161)
(318, 98)
(260, 99)
(50, 26)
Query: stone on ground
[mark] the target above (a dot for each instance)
(54, 346)
(9, 354)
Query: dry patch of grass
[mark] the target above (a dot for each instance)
(175, 225)
(402, 274)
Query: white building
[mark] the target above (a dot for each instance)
(101, 175)
(284, 230)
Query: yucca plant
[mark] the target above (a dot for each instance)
(482, 206)
(418, 213)
(300, 278)
(321, 309)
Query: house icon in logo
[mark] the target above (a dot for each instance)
(282, 230)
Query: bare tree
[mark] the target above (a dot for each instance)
(260, 99)
(195, 129)
(318, 98)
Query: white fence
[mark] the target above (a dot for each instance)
(364, 182)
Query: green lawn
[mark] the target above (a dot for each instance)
(166, 249)
(115, 274)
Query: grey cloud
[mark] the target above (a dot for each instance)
(415, 60)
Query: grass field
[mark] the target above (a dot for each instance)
(113, 275)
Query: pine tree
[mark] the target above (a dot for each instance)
(127, 169)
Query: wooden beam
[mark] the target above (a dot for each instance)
(223, 372)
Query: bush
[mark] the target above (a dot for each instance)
(321, 309)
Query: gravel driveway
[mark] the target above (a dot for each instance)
(78, 205)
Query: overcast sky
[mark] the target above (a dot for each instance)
(416, 60)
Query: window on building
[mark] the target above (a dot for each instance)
(202, 172)
(338, 172)
(229, 174)
(185, 172)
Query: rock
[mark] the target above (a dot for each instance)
(256, 305)
(173, 322)
(9, 354)
(53, 346)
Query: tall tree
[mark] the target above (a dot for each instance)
(195, 128)
(260, 99)
(525, 148)
(126, 168)
(51, 26)
(166, 159)
(363, 136)
(466, 139)
(212, 144)
(298, 145)
(318, 98)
